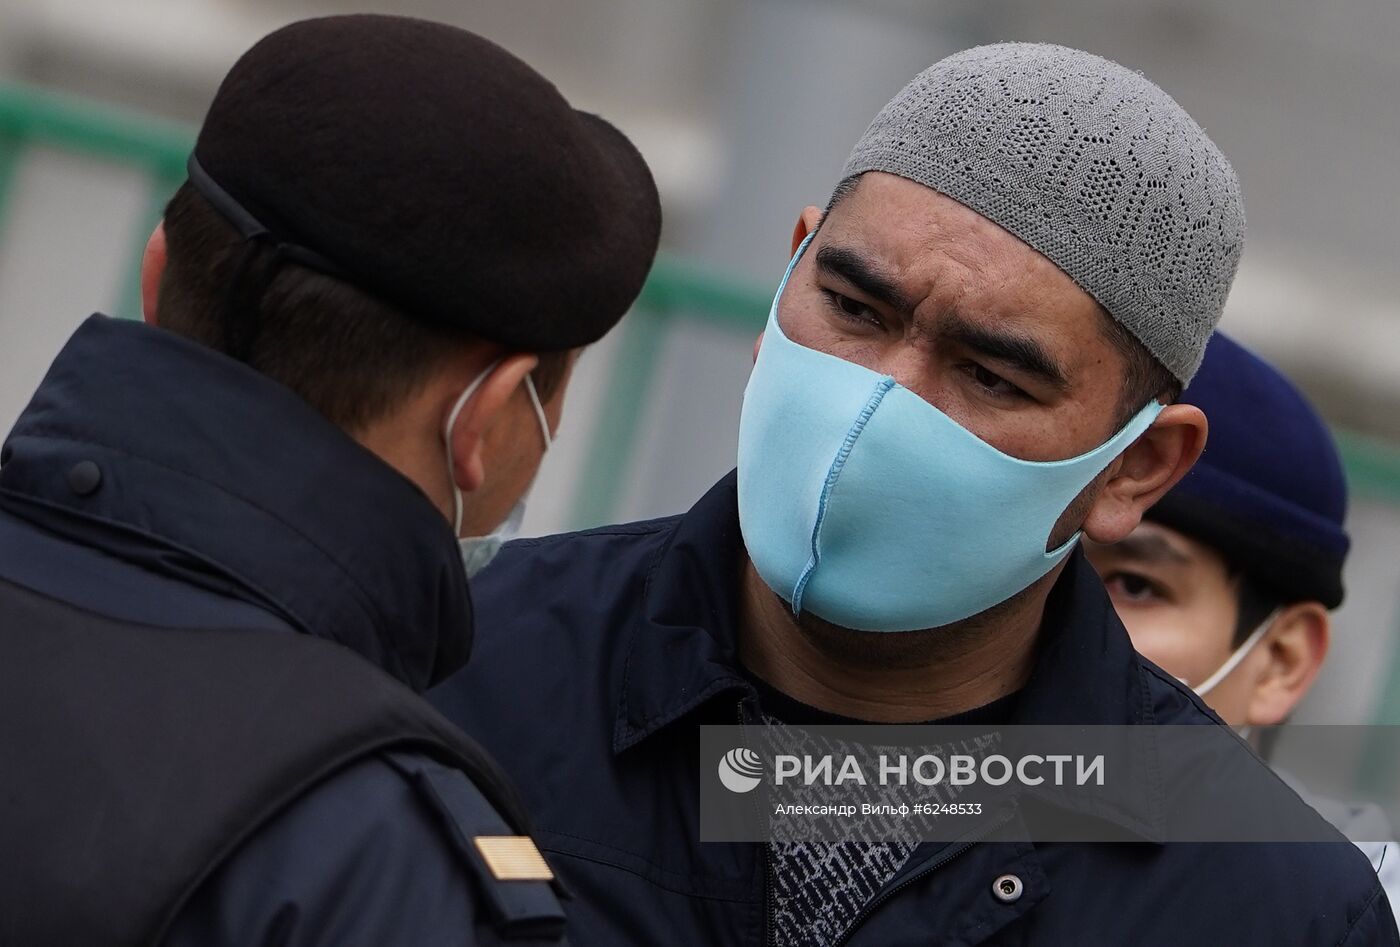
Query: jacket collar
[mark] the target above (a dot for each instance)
(684, 648)
(214, 473)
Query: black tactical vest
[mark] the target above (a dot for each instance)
(134, 760)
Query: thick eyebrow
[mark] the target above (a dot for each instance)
(1009, 348)
(1149, 547)
(846, 264)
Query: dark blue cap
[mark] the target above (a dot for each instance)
(1269, 493)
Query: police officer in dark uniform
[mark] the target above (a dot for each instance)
(227, 555)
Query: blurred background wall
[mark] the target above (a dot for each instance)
(745, 109)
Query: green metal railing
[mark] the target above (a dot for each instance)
(159, 149)
(673, 293)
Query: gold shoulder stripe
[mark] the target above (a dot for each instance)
(513, 858)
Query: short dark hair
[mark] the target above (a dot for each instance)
(1145, 377)
(843, 190)
(350, 355)
(1255, 603)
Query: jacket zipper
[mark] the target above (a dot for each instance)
(943, 859)
(769, 933)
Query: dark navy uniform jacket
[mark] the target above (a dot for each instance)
(630, 644)
(155, 481)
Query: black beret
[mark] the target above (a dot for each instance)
(435, 170)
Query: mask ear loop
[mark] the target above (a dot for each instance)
(457, 407)
(1238, 655)
(539, 412)
(1137, 426)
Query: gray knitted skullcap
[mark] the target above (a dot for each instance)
(1087, 162)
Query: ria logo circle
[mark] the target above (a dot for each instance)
(740, 770)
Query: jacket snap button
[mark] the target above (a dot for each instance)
(85, 477)
(1007, 888)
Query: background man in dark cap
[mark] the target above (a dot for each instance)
(970, 363)
(235, 542)
(1230, 580)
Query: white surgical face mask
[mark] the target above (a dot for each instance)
(1236, 656)
(478, 551)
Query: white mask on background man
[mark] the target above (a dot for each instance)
(1236, 656)
(478, 551)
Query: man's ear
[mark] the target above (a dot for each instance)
(1143, 474)
(807, 221)
(1293, 652)
(468, 432)
(152, 269)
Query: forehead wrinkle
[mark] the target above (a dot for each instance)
(946, 257)
(994, 268)
(1007, 345)
(864, 270)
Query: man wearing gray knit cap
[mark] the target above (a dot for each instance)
(1088, 163)
(970, 363)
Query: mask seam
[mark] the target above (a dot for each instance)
(838, 464)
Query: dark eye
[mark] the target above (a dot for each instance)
(851, 309)
(1131, 587)
(992, 382)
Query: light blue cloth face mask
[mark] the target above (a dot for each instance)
(865, 505)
